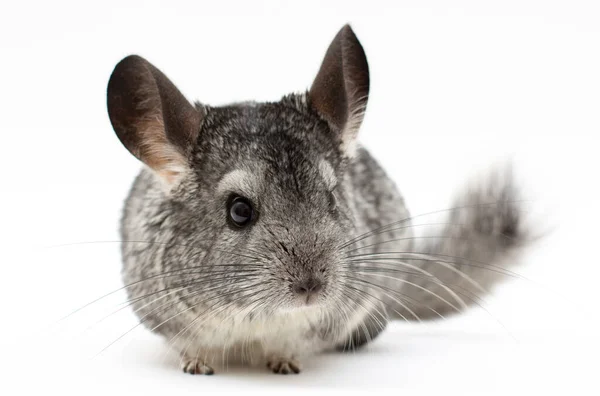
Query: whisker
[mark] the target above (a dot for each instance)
(362, 325)
(209, 310)
(383, 228)
(421, 270)
(131, 303)
(170, 290)
(142, 320)
(422, 288)
(464, 261)
(381, 266)
(160, 275)
(214, 313)
(385, 290)
(413, 238)
(472, 297)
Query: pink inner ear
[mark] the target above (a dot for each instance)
(159, 154)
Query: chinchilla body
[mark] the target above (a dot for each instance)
(237, 281)
(263, 232)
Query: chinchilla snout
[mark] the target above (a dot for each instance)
(306, 267)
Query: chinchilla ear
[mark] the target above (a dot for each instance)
(153, 120)
(341, 89)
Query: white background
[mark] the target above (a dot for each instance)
(454, 88)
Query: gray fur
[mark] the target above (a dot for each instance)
(217, 293)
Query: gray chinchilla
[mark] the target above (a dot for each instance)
(264, 233)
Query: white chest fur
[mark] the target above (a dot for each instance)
(239, 338)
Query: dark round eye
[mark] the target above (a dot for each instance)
(240, 211)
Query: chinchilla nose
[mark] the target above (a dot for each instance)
(307, 287)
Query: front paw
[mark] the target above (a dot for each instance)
(284, 366)
(196, 366)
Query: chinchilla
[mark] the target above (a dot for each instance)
(265, 233)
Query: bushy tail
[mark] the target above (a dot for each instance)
(474, 248)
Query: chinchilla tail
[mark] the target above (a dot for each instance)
(471, 251)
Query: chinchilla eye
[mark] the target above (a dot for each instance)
(241, 212)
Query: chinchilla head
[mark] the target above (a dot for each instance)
(256, 186)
